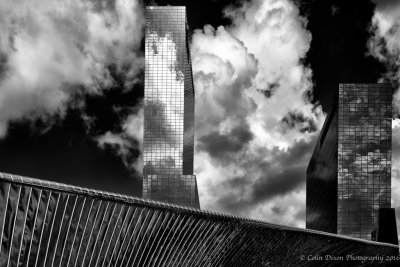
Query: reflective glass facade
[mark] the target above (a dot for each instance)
(168, 109)
(50, 224)
(349, 175)
(364, 156)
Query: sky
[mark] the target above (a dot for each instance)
(265, 72)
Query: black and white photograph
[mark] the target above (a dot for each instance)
(199, 133)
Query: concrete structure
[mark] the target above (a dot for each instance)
(50, 224)
(168, 109)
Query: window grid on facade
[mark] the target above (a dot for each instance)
(364, 157)
(168, 109)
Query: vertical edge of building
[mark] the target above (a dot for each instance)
(321, 183)
(188, 122)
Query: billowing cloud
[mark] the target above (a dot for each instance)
(51, 50)
(220, 146)
(384, 44)
(255, 125)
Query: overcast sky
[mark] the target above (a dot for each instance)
(71, 90)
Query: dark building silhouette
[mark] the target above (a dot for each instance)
(50, 224)
(387, 228)
(349, 175)
(168, 109)
(321, 187)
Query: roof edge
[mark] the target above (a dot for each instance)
(157, 204)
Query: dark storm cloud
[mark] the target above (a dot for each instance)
(220, 145)
(299, 152)
(279, 184)
(277, 210)
(299, 121)
(276, 178)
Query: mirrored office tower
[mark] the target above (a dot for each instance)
(349, 175)
(168, 109)
(364, 156)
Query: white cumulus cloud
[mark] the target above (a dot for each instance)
(51, 50)
(384, 43)
(255, 125)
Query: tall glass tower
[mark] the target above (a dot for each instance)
(364, 156)
(168, 109)
(349, 175)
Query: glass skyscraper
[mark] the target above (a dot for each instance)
(168, 109)
(349, 175)
(364, 156)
